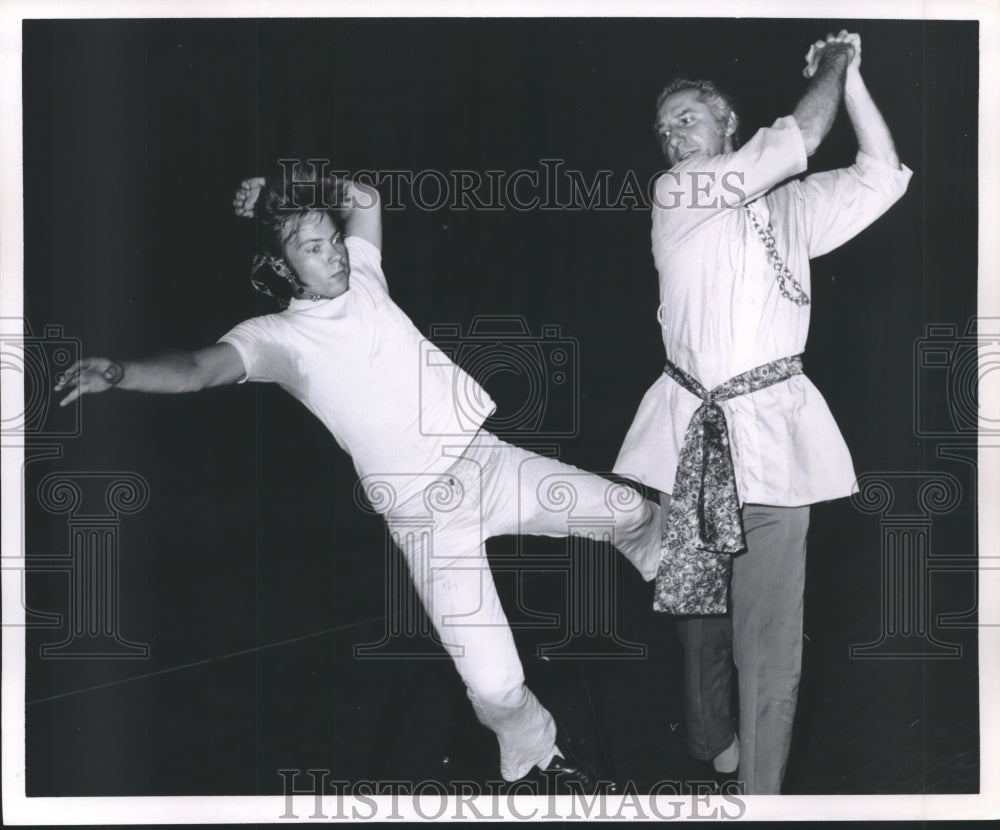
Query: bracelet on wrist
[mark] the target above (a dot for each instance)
(114, 373)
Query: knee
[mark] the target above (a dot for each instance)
(637, 522)
(637, 510)
(503, 690)
(651, 516)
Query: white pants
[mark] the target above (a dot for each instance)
(493, 489)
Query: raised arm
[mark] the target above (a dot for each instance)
(826, 66)
(870, 128)
(171, 372)
(360, 211)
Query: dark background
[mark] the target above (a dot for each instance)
(253, 571)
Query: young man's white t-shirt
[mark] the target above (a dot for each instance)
(390, 398)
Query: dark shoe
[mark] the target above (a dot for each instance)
(569, 775)
(573, 773)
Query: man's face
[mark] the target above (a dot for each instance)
(687, 127)
(318, 257)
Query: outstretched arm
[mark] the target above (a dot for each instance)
(176, 372)
(827, 64)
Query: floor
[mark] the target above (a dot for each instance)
(290, 672)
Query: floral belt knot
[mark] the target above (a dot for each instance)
(703, 525)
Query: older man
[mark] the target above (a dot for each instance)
(733, 431)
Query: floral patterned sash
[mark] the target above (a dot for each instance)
(703, 525)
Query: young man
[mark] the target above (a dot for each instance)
(412, 422)
(733, 430)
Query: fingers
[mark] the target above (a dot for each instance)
(854, 40)
(72, 396)
(810, 67)
(843, 38)
(246, 196)
(240, 200)
(812, 58)
(73, 375)
(71, 380)
(69, 376)
(842, 41)
(81, 378)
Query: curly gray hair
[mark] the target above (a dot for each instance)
(717, 100)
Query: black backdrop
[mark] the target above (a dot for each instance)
(135, 136)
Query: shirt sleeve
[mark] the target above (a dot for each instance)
(249, 338)
(839, 204)
(366, 259)
(695, 190)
